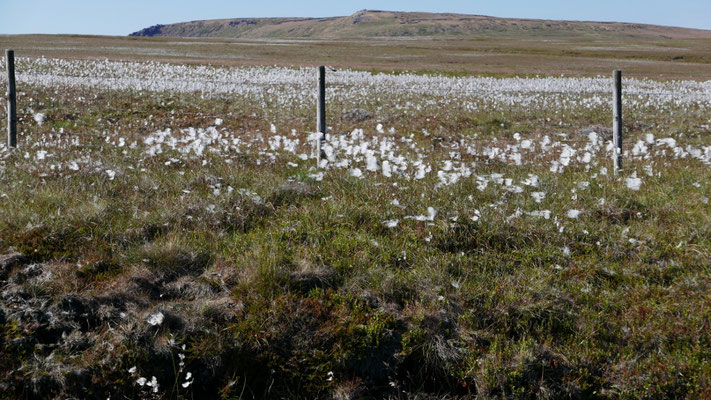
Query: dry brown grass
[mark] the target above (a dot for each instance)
(655, 58)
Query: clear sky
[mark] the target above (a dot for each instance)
(121, 17)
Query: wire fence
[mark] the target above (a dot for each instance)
(450, 141)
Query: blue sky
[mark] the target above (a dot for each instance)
(121, 17)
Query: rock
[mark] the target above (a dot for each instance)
(356, 115)
(8, 262)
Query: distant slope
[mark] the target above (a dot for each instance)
(368, 23)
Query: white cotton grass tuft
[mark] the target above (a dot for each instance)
(387, 170)
(154, 384)
(633, 182)
(318, 176)
(476, 216)
(573, 214)
(391, 223)
(156, 319)
(356, 172)
(532, 180)
(188, 381)
(431, 214)
(538, 196)
(396, 203)
(545, 214)
(371, 162)
(39, 118)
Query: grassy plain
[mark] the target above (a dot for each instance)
(292, 287)
(658, 58)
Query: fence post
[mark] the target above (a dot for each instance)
(11, 100)
(617, 120)
(321, 114)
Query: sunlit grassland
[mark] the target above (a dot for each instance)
(284, 280)
(518, 55)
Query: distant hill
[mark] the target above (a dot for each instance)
(369, 23)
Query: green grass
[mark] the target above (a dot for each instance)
(271, 294)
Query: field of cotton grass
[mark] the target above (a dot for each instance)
(167, 233)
